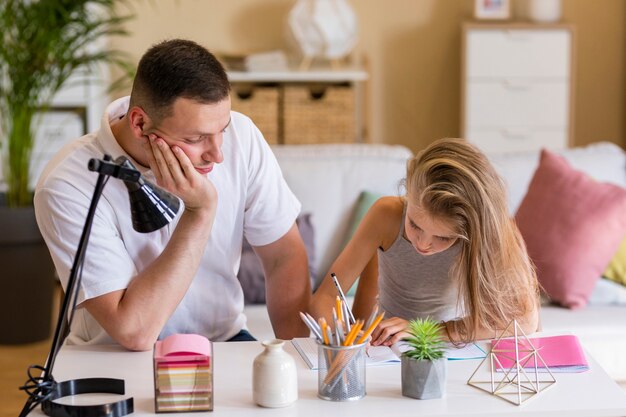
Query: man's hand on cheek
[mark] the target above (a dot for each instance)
(174, 172)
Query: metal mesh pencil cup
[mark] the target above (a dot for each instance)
(341, 372)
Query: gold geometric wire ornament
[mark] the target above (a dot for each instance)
(521, 381)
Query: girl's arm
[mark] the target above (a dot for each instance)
(392, 330)
(366, 290)
(529, 323)
(378, 228)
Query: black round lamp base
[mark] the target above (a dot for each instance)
(88, 386)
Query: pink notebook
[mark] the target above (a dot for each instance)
(183, 374)
(182, 348)
(560, 353)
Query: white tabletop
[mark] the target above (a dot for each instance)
(591, 393)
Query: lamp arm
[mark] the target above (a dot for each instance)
(151, 208)
(43, 387)
(66, 313)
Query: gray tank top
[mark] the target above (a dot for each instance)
(412, 285)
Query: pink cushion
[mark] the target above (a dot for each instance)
(572, 226)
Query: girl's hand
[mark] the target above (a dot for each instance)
(390, 331)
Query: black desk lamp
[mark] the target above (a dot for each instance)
(151, 208)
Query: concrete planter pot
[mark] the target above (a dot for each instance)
(424, 379)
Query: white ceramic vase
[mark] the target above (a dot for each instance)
(274, 376)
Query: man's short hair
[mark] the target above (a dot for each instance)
(175, 69)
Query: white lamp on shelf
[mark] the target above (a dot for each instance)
(324, 29)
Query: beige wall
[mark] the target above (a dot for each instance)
(412, 51)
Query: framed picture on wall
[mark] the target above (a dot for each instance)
(492, 9)
(58, 126)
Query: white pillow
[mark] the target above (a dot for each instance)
(608, 292)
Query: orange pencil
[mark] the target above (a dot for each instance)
(370, 329)
(339, 308)
(353, 333)
(323, 325)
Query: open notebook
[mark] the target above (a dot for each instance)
(383, 355)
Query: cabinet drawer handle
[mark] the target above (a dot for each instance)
(517, 35)
(512, 134)
(516, 85)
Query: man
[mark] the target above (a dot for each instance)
(178, 129)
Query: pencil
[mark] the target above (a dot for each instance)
(329, 335)
(311, 326)
(346, 317)
(370, 320)
(353, 333)
(370, 329)
(312, 321)
(323, 326)
(339, 308)
(339, 327)
(342, 295)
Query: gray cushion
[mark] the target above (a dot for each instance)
(251, 274)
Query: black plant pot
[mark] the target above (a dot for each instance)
(26, 276)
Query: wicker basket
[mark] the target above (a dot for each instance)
(260, 103)
(318, 115)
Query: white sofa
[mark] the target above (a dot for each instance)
(328, 180)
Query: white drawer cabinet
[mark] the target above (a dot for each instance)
(517, 86)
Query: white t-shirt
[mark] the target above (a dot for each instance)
(254, 200)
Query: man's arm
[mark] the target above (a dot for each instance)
(287, 283)
(134, 317)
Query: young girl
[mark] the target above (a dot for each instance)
(448, 250)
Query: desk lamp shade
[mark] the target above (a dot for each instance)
(151, 209)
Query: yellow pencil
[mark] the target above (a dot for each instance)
(353, 333)
(370, 329)
(339, 308)
(323, 325)
(349, 335)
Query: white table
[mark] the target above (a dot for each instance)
(591, 393)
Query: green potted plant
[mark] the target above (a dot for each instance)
(424, 365)
(43, 43)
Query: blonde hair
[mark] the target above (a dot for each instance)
(452, 180)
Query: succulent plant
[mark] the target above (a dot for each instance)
(425, 340)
